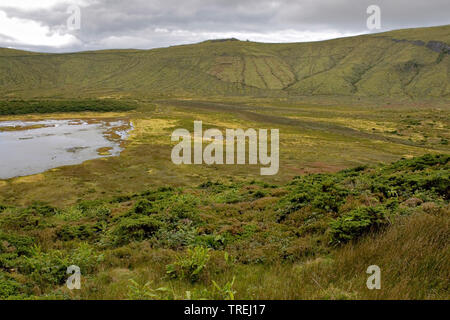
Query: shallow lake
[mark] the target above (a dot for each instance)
(30, 147)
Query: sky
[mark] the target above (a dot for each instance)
(79, 25)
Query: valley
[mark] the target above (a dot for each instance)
(363, 175)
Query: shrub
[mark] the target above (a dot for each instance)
(71, 214)
(420, 163)
(259, 194)
(8, 286)
(13, 246)
(19, 244)
(20, 219)
(94, 209)
(49, 267)
(175, 237)
(43, 209)
(296, 202)
(184, 207)
(101, 212)
(86, 257)
(353, 224)
(45, 268)
(143, 206)
(231, 196)
(82, 232)
(135, 228)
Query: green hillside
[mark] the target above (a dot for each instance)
(411, 63)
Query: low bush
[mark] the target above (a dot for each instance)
(81, 232)
(49, 267)
(135, 228)
(8, 286)
(353, 224)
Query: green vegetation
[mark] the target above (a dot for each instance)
(326, 135)
(398, 64)
(363, 180)
(14, 107)
(190, 266)
(353, 224)
(197, 242)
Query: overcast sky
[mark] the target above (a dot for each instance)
(41, 25)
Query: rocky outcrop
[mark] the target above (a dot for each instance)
(436, 46)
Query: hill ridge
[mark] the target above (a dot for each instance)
(411, 63)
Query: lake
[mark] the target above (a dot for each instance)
(30, 147)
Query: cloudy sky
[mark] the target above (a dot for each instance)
(51, 25)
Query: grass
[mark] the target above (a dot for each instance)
(313, 138)
(281, 235)
(248, 239)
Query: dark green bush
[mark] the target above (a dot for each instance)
(135, 228)
(49, 267)
(82, 232)
(50, 106)
(21, 244)
(143, 206)
(353, 224)
(8, 286)
(13, 246)
(42, 209)
(420, 163)
(183, 207)
(21, 219)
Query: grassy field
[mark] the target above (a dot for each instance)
(313, 138)
(137, 223)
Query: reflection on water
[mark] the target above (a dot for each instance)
(30, 147)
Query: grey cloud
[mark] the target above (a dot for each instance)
(132, 23)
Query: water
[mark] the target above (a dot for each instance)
(30, 147)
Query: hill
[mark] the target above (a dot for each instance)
(411, 63)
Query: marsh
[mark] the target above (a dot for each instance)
(30, 147)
